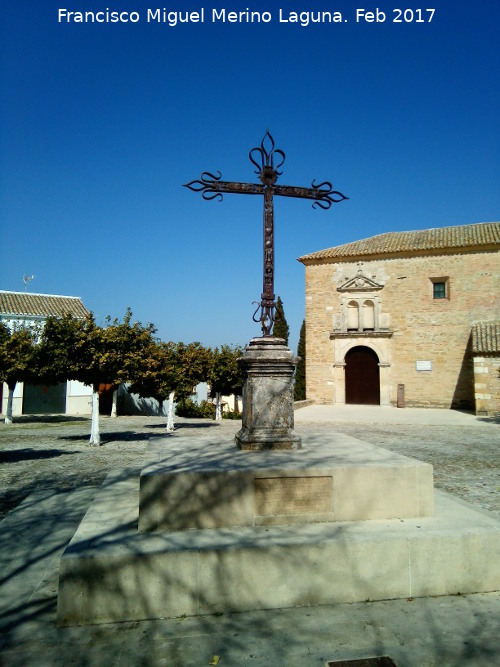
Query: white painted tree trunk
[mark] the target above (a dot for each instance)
(115, 402)
(218, 406)
(95, 436)
(171, 412)
(10, 401)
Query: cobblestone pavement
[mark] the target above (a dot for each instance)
(51, 454)
(466, 459)
(38, 453)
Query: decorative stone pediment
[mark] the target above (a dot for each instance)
(360, 283)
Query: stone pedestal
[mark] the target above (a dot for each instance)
(189, 483)
(224, 530)
(267, 421)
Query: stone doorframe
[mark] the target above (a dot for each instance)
(379, 342)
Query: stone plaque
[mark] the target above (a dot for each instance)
(293, 495)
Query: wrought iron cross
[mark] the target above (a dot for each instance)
(264, 158)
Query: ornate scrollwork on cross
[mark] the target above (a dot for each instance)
(207, 185)
(263, 158)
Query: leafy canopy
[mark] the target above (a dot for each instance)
(299, 392)
(281, 328)
(226, 374)
(79, 349)
(16, 352)
(172, 367)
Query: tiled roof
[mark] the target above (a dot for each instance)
(441, 238)
(486, 337)
(40, 305)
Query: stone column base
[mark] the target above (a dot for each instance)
(268, 396)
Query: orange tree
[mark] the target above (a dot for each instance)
(226, 374)
(79, 349)
(173, 371)
(16, 354)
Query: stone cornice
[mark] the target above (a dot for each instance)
(360, 334)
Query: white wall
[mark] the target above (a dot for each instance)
(78, 398)
(17, 403)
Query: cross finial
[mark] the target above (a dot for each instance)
(263, 158)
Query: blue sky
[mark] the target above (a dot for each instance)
(101, 124)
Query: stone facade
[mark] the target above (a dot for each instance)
(404, 303)
(486, 354)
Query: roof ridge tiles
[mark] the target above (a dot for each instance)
(435, 238)
(27, 304)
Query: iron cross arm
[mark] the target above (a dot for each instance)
(212, 187)
(323, 194)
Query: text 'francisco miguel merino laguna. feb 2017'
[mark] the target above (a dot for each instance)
(173, 18)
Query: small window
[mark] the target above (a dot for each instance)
(439, 291)
(440, 288)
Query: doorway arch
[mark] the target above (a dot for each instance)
(362, 376)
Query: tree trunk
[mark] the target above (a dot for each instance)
(95, 436)
(170, 418)
(115, 402)
(218, 409)
(10, 400)
(160, 407)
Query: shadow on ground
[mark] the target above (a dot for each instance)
(17, 455)
(49, 419)
(490, 420)
(114, 436)
(412, 632)
(186, 425)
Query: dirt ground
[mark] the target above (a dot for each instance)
(53, 452)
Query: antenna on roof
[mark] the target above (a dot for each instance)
(27, 280)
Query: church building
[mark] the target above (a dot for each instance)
(406, 319)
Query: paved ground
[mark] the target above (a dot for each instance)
(52, 453)
(464, 449)
(48, 476)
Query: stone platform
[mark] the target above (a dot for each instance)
(334, 478)
(111, 571)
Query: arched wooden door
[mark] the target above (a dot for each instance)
(362, 376)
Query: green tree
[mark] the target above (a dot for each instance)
(281, 328)
(76, 349)
(126, 352)
(299, 391)
(173, 371)
(73, 349)
(226, 375)
(157, 378)
(54, 358)
(16, 353)
(192, 364)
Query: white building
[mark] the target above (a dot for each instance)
(22, 308)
